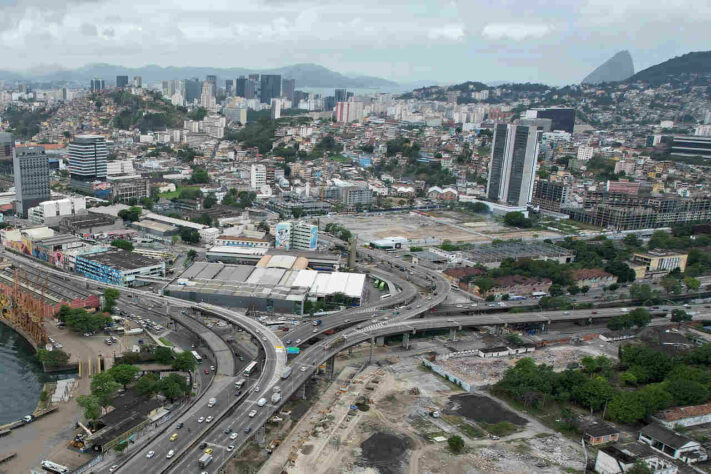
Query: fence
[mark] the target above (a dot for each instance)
(452, 378)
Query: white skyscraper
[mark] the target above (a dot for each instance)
(512, 168)
(258, 176)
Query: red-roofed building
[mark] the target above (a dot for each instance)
(685, 416)
(518, 285)
(592, 278)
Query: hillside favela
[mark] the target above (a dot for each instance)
(355, 237)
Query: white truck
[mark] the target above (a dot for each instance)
(204, 460)
(276, 397)
(212, 402)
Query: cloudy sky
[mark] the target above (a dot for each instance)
(552, 41)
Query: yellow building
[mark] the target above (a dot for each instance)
(660, 261)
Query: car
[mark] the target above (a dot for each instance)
(113, 468)
(230, 447)
(347, 321)
(201, 419)
(450, 320)
(303, 369)
(594, 312)
(460, 306)
(170, 454)
(208, 419)
(566, 312)
(208, 451)
(247, 429)
(28, 418)
(298, 341)
(287, 342)
(315, 331)
(212, 368)
(174, 437)
(264, 338)
(241, 358)
(228, 430)
(202, 445)
(180, 425)
(207, 371)
(256, 389)
(252, 413)
(233, 436)
(150, 454)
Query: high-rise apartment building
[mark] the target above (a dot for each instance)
(296, 235)
(193, 88)
(97, 84)
(87, 160)
(31, 178)
(287, 88)
(7, 152)
(258, 176)
(137, 82)
(512, 167)
(276, 109)
(341, 95)
(212, 79)
(348, 111)
(270, 88)
(121, 81)
(207, 96)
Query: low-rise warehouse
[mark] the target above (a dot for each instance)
(263, 288)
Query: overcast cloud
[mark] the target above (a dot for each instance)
(555, 41)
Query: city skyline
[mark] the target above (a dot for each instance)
(557, 44)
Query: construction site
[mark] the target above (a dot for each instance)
(395, 415)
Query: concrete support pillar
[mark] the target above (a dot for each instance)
(453, 334)
(380, 341)
(260, 436)
(331, 367)
(406, 340)
(301, 392)
(372, 346)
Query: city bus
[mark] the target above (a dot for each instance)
(197, 356)
(250, 368)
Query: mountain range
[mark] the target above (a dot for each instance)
(306, 75)
(698, 62)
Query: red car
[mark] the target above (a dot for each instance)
(207, 371)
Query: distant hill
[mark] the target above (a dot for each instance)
(616, 69)
(306, 75)
(691, 63)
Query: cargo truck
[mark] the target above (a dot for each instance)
(204, 460)
(276, 397)
(286, 373)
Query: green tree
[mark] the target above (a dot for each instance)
(593, 394)
(687, 392)
(200, 176)
(147, 385)
(110, 297)
(103, 387)
(297, 212)
(456, 444)
(680, 316)
(131, 214)
(517, 219)
(642, 292)
(671, 285)
(691, 283)
(173, 386)
(184, 361)
(189, 236)
(53, 358)
(91, 406)
(626, 407)
(124, 373)
(631, 240)
(484, 284)
(556, 290)
(164, 355)
(209, 201)
(621, 270)
(122, 244)
(191, 254)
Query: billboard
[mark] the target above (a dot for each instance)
(283, 235)
(292, 350)
(313, 238)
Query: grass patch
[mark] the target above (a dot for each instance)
(503, 428)
(470, 431)
(165, 341)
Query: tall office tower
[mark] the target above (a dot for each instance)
(65, 94)
(207, 96)
(258, 176)
(341, 95)
(121, 81)
(7, 152)
(329, 103)
(212, 79)
(229, 87)
(137, 81)
(276, 109)
(193, 88)
(97, 84)
(31, 178)
(287, 88)
(298, 97)
(87, 160)
(512, 167)
(270, 88)
(562, 118)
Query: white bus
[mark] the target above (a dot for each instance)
(197, 356)
(50, 466)
(250, 368)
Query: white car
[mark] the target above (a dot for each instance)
(256, 389)
(201, 419)
(150, 454)
(208, 419)
(170, 454)
(113, 468)
(212, 368)
(233, 436)
(230, 447)
(252, 413)
(303, 369)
